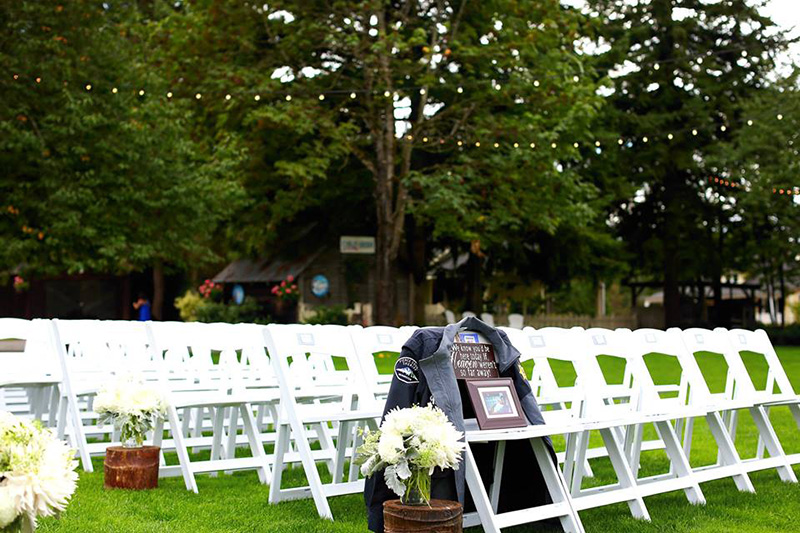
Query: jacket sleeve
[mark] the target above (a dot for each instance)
(405, 390)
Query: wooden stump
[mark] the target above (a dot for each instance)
(131, 468)
(443, 516)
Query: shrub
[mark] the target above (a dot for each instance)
(788, 336)
(249, 311)
(328, 315)
(188, 304)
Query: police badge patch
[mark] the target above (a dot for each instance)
(405, 369)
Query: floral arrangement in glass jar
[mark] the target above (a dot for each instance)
(132, 407)
(287, 289)
(409, 445)
(37, 473)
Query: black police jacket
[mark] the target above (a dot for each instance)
(424, 375)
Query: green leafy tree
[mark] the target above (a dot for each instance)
(100, 174)
(401, 104)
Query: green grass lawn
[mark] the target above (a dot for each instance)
(238, 503)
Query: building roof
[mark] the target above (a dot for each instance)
(264, 270)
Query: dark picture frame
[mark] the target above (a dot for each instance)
(496, 403)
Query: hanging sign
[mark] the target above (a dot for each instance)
(356, 245)
(320, 286)
(238, 294)
(473, 360)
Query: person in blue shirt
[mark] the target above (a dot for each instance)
(143, 306)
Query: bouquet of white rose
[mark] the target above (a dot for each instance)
(132, 406)
(37, 473)
(409, 445)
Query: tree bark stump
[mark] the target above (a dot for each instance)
(131, 468)
(443, 516)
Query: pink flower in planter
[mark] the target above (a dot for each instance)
(290, 278)
(288, 291)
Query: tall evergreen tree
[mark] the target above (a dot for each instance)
(679, 69)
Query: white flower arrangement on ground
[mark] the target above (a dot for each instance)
(409, 445)
(132, 407)
(37, 473)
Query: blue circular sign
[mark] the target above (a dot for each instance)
(320, 286)
(238, 294)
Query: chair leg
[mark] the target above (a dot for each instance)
(624, 474)
(180, 447)
(761, 446)
(281, 447)
(556, 486)
(773, 445)
(256, 448)
(216, 439)
(679, 464)
(478, 492)
(727, 452)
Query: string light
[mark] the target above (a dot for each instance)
(723, 128)
(198, 96)
(141, 92)
(387, 94)
(114, 90)
(620, 141)
(88, 86)
(227, 97)
(477, 144)
(780, 117)
(169, 94)
(459, 90)
(553, 145)
(656, 66)
(460, 143)
(424, 139)
(38, 80)
(16, 76)
(516, 145)
(288, 97)
(321, 97)
(694, 132)
(575, 145)
(749, 122)
(496, 145)
(533, 145)
(352, 96)
(257, 97)
(575, 79)
(497, 87)
(422, 91)
(670, 136)
(644, 139)
(597, 143)
(535, 83)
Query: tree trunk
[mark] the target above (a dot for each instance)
(672, 295)
(782, 306)
(158, 289)
(474, 285)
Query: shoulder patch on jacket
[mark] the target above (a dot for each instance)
(405, 369)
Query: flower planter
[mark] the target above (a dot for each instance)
(442, 516)
(131, 468)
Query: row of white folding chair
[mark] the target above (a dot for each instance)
(740, 394)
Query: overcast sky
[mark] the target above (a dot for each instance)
(787, 14)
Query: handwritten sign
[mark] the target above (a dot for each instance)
(473, 360)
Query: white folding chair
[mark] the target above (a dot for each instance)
(488, 318)
(739, 394)
(202, 373)
(320, 395)
(516, 321)
(757, 341)
(376, 341)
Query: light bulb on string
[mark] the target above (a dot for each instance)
(424, 139)
(387, 94)
(198, 96)
(620, 141)
(533, 145)
(169, 94)
(553, 145)
(516, 145)
(321, 97)
(460, 90)
(227, 97)
(422, 91)
(780, 117)
(749, 122)
(670, 136)
(288, 97)
(597, 143)
(141, 92)
(114, 90)
(694, 132)
(497, 87)
(352, 95)
(410, 137)
(257, 97)
(576, 79)
(575, 145)
(656, 66)
(460, 143)
(723, 128)
(88, 86)
(496, 145)
(38, 80)
(644, 139)
(535, 83)
(477, 144)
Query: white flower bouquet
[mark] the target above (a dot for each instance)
(409, 445)
(37, 473)
(132, 407)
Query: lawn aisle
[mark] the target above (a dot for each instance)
(238, 503)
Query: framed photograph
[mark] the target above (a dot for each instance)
(496, 403)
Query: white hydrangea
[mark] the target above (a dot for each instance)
(409, 440)
(37, 469)
(131, 405)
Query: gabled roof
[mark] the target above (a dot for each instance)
(264, 270)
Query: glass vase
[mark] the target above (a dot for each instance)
(418, 489)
